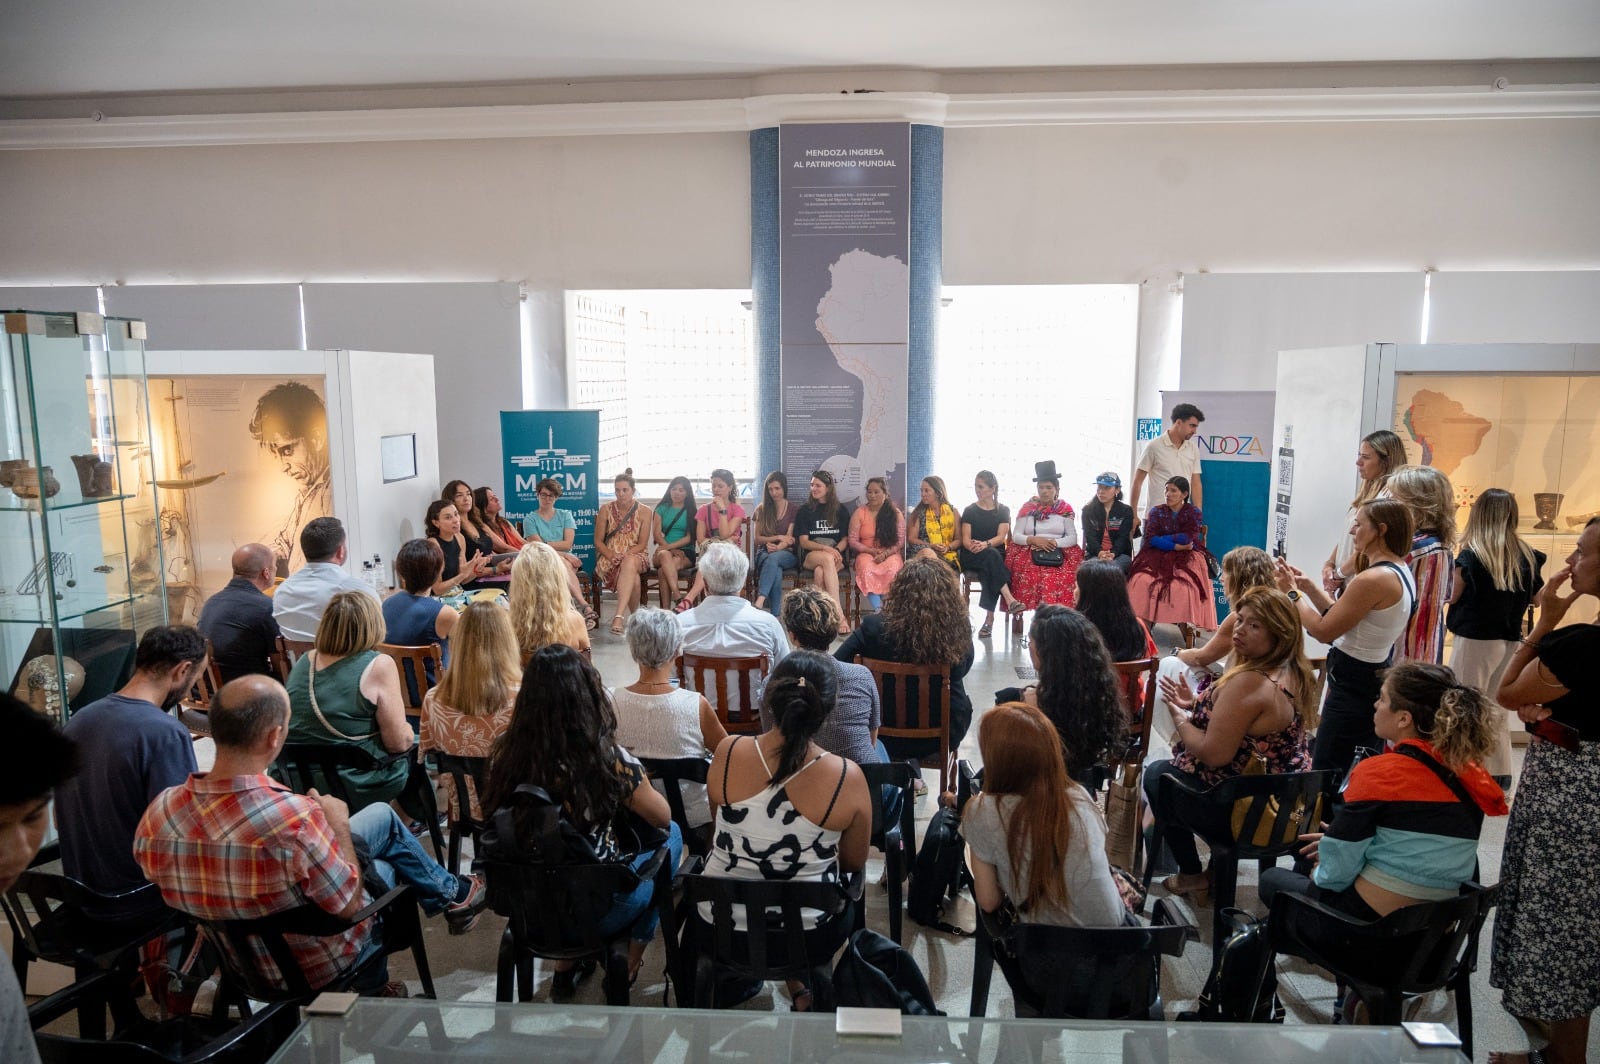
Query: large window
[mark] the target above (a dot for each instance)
(1034, 372)
(673, 376)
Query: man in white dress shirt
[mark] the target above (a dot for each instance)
(299, 601)
(724, 625)
(1171, 454)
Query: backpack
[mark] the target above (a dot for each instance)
(875, 972)
(937, 872)
(1237, 989)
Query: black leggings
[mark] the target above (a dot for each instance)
(1347, 712)
(990, 567)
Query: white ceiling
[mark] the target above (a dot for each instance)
(68, 47)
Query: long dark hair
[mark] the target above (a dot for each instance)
(941, 499)
(562, 737)
(800, 694)
(687, 508)
(830, 497)
(767, 512)
(1103, 599)
(1077, 688)
(430, 522)
(886, 526)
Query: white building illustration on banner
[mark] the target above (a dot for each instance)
(551, 461)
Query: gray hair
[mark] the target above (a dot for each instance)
(653, 637)
(724, 566)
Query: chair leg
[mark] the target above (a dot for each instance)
(524, 976)
(1463, 995)
(1225, 874)
(616, 980)
(982, 973)
(505, 969)
(893, 867)
(454, 862)
(419, 953)
(705, 982)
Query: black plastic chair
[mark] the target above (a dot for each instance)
(554, 911)
(50, 921)
(1286, 805)
(188, 1040)
(1087, 973)
(718, 945)
(306, 765)
(400, 928)
(897, 839)
(1414, 950)
(458, 770)
(672, 772)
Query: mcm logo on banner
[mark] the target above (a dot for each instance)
(551, 461)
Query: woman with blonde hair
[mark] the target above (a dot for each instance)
(1261, 707)
(540, 612)
(1497, 576)
(471, 707)
(1426, 492)
(1380, 453)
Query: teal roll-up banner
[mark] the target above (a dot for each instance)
(561, 445)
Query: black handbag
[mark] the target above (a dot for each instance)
(875, 973)
(1048, 559)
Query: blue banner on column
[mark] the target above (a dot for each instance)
(564, 446)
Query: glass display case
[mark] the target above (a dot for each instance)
(81, 551)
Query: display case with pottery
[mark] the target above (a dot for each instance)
(80, 518)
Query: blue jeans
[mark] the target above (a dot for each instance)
(637, 907)
(394, 855)
(769, 579)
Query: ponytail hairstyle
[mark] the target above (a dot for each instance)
(1391, 454)
(625, 477)
(886, 526)
(800, 694)
(1492, 536)
(767, 512)
(1022, 756)
(1456, 720)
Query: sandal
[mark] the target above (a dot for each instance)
(794, 1000)
(1016, 609)
(1180, 886)
(616, 624)
(986, 630)
(591, 619)
(683, 604)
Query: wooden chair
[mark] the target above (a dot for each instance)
(290, 650)
(738, 717)
(206, 683)
(1139, 690)
(912, 707)
(420, 668)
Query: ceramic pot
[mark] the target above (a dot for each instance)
(9, 468)
(29, 482)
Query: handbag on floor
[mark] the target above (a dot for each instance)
(937, 872)
(875, 972)
(1237, 991)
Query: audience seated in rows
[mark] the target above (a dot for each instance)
(657, 718)
(234, 844)
(237, 621)
(471, 707)
(412, 616)
(563, 738)
(774, 554)
(1077, 689)
(541, 612)
(346, 692)
(134, 749)
(725, 624)
(877, 539)
(298, 603)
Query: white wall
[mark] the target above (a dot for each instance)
(392, 394)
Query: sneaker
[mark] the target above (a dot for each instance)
(462, 916)
(394, 988)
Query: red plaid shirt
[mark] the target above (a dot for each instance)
(246, 847)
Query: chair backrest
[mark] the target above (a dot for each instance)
(783, 901)
(1139, 693)
(916, 704)
(892, 774)
(555, 910)
(303, 766)
(1279, 808)
(420, 668)
(199, 1040)
(458, 770)
(50, 918)
(672, 771)
(291, 650)
(1319, 676)
(720, 679)
(206, 682)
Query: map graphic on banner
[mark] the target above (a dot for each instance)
(846, 285)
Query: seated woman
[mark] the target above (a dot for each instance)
(621, 536)
(1103, 599)
(674, 534)
(489, 514)
(774, 540)
(464, 562)
(1258, 709)
(559, 529)
(985, 531)
(471, 707)
(1406, 832)
(1043, 555)
(820, 529)
(540, 614)
(1108, 523)
(933, 528)
(785, 808)
(412, 617)
(473, 530)
(656, 717)
(1169, 582)
(719, 521)
(924, 622)
(562, 738)
(810, 619)
(345, 691)
(1077, 691)
(877, 536)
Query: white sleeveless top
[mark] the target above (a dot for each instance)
(665, 725)
(1374, 635)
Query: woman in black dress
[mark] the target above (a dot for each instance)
(985, 531)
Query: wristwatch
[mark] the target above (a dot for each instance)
(1294, 595)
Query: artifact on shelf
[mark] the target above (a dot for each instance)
(1580, 520)
(9, 468)
(29, 481)
(1546, 505)
(60, 563)
(40, 686)
(94, 476)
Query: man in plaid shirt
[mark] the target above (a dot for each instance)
(236, 844)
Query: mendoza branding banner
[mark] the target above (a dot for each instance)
(563, 445)
(845, 297)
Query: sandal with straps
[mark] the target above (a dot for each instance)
(986, 630)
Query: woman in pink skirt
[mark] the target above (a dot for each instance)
(1168, 583)
(878, 537)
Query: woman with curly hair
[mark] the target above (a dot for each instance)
(1380, 453)
(540, 611)
(562, 737)
(924, 622)
(1427, 493)
(1077, 688)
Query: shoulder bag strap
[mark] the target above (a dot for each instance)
(311, 689)
(1450, 779)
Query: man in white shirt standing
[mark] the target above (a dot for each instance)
(724, 625)
(299, 601)
(1171, 454)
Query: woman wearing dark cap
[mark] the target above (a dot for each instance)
(1043, 555)
(1108, 523)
